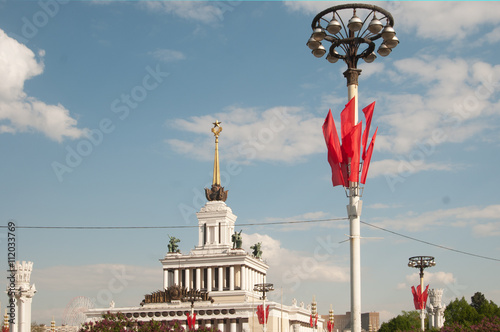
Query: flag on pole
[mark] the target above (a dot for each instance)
(334, 151)
(351, 146)
(347, 118)
(419, 298)
(368, 111)
(366, 163)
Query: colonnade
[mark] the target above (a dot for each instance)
(223, 325)
(217, 278)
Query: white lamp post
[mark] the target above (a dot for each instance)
(351, 42)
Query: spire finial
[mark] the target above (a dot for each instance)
(216, 130)
(216, 193)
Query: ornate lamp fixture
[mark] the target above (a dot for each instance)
(356, 39)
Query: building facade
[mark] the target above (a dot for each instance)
(217, 280)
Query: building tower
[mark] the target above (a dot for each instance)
(22, 294)
(218, 264)
(435, 309)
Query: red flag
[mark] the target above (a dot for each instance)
(191, 320)
(419, 298)
(260, 314)
(351, 146)
(368, 111)
(334, 152)
(330, 326)
(347, 118)
(366, 163)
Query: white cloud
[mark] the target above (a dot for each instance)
(488, 229)
(166, 55)
(19, 112)
(277, 134)
(459, 96)
(291, 268)
(439, 20)
(199, 11)
(458, 217)
(405, 167)
(443, 20)
(441, 278)
(99, 283)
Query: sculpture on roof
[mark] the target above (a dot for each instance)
(237, 240)
(172, 244)
(257, 252)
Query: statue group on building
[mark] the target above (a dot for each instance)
(237, 240)
(172, 245)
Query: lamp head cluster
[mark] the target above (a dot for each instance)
(347, 39)
(421, 262)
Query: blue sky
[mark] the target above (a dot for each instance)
(105, 117)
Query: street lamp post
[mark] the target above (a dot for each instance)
(264, 288)
(351, 42)
(421, 263)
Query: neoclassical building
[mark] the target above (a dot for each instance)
(217, 279)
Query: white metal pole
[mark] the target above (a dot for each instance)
(422, 311)
(354, 212)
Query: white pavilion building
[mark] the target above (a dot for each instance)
(216, 279)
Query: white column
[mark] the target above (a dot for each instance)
(21, 320)
(220, 325)
(232, 327)
(231, 277)
(165, 279)
(221, 279)
(243, 280)
(209, 279)
(198, 278)
(249, 279)
(187, 281)
(176, 277)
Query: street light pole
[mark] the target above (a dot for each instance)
(347, 42)
(421, 263)
(264, 288)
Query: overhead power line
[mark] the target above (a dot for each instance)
(255, 224)
(429, 243)
(174, 226)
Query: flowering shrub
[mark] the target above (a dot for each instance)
(488, 324)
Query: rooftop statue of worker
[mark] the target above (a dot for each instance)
(172, 244)
(257, 252)
(237, 240)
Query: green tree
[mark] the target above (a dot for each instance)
(406, 321)
(461, 313)
(477, 300)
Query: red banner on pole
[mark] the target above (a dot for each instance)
(314, 320)
(191, 320)
(419, 298)
(260, 314)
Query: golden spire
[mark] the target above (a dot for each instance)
(216, 130)
(216, 193)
